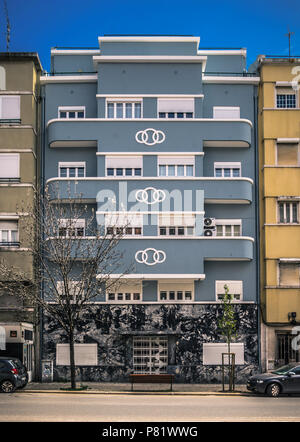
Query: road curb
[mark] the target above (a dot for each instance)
(151, 393)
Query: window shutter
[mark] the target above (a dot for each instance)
(165, 160)
(176, 105)
(123, 162)
(287, 154)
(124, 220)
(9, 166)
(8, 225)
(10, 108)
(289, 274)
(226, 112)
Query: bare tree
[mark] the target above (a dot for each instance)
(74, 260)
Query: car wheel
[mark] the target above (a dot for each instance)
(273, 390)
(7, 386)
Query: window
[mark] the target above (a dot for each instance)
(285, 353)
(71, 170)
(227, 170)
(124, 224)
(74, 288)
(71, 112)
(2, 78)
(176, 225)
(173, 292)
(235, 290)
(224, 112)
(228, 227)
(124, 292)
(176, 166)
(9, 234)
(150, 354)
(10, 108)
(85, 354)
(9, 167)
(289, 273)
(288, 154)
(286, 97)
(175, 108)
(288, 212)
(124, 166)
(124, 109)
(71, 227)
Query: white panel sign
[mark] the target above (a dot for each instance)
(212, 353)
(85, 354)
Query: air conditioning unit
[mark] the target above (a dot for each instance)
(209, 223)
(209, 232)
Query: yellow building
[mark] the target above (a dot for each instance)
(279, 185)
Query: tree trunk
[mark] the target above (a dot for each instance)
(72, 359)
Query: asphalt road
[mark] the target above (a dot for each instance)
(41, 407)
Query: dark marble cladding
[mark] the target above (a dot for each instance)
(187, 326)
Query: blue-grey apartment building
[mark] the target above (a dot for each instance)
(161, 135)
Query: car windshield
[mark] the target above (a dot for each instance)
(284, 369)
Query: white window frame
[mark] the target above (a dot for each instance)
(287, 165)
(235, 110)
(175, 106)
(289, 88)
(175, 290)
(9, 232)
(68, 165)
(69, 225)
(176, 226)
(287, 203)
(18, 114)
(229, 165)
(295, 262)
(231, 284)
(63, 354)
(123, 101)
(167, 116)
(15, 158)
(228, 222)
(125, 290)
(124, 220)
(72, 286)
(69, 109)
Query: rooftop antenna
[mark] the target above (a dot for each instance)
(7, 26)
(289, 34)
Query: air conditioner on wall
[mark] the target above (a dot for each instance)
(209, 223)
(209, 232)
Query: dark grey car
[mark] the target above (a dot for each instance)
(13, 374)
(285, 379)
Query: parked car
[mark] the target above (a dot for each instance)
(285, 379)
(13, 374)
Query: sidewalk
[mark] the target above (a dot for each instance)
(125, 388)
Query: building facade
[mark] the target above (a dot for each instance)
(161, 136)
(279, 160)
(19, 149)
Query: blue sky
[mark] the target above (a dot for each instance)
(259, 26)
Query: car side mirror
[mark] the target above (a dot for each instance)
(291, 373)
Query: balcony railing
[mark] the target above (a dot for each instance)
(9, 244)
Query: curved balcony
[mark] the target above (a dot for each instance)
(190, 193)
(115, 135)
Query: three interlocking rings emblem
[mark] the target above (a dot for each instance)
(157, 195)
(150, 136)
(150, 256)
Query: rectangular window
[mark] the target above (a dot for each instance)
(176, 166)
(74, 292)
(226, 112)
(71, 112)
(124, 292)
(9, 233)
(230, 227)
(227, 170)
(71, 170)
(289, 274)
(124, 166)
(124, 224)
(288, 212)
(10, 108)
(150, 354)
(235, 290)
(286, 97)
(175, 108)
(9, 167)
(71, 227)
(176, 225)
(170, 292)
(85, 354)
(124, 109)
(288, 154)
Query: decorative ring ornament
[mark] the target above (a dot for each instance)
(150, 136)
(158, 256)
(142, 195)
